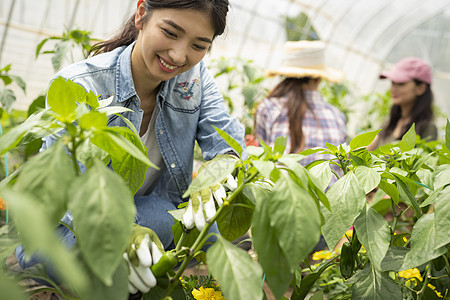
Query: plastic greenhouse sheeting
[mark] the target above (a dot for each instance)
(363, 37)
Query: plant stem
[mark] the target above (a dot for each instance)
(335, 174)
(74, 158)
(202, 237)
(394, 225)
(447, 265)
(425, 282)
(180, 241)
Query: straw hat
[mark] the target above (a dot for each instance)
(305, 59)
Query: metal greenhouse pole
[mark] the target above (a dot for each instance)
(5, 31)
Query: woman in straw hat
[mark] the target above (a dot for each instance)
(412, 100)
(295, 108)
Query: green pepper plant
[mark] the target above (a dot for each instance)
(285, 206)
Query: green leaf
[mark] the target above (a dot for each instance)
(19, 81)
(374, 234)
(214, 172)
(103, 232)
(408, 140)
(61, 100)
(375, 285)
(312, 151)
(423, 243)
(426, 178)
(62, 49)
(129, 155)
(309, 280)
(232, 142)
(118, 290)
(441, 176)
(405, 193)
(432, 197)
(332, 148)
(10, 288)
(295, 217)
(305, 179)
(254, 151)
(37, 233)
(9, 241)
(42, 176)
(39, 47)
(116, 136)
(322, 174)
(93, 119)
(232, 267)
(347, 199)
(235, 220)
(363, 140)
(286, 227)
(368, 177)
(390, 190)
(280, 144)
(7, 99)
(87, 153)
(442, 218)
(14, 136)
(394, 259)
(264, 167)
(273, 260)
(36, 105)
(92, 100)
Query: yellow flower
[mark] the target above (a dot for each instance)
(411, 274)
(207, 294)
(434, 289)
(324, 254)
(349, 233)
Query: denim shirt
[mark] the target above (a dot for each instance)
(190, 104)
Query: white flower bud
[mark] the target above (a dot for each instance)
(219, 194)
(188, 216)
(210, 207)
(199, 217)
(230, 183)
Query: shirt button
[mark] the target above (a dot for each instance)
(161, 131)
(172, 165)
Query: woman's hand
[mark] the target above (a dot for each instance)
(143, 251)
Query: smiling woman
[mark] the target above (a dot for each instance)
(412, 100)
(154, 68)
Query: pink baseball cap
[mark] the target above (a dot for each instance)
(407, 69)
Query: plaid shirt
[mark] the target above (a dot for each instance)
(326, 125)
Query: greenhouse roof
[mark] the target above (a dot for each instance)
(363, 37)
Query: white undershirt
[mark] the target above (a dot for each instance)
(154, 154)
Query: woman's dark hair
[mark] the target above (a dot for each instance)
(217, 9)
(292, 88)
(421, 114)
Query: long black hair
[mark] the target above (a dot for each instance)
(421, 114)
(292, 88)
(217, 9)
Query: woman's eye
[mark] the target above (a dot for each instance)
(169, 33)
(199, 47)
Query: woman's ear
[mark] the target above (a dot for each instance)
(420, 88)
(140, 12)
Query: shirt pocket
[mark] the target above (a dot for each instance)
(185, 95)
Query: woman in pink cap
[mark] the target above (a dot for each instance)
(412, 102)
